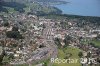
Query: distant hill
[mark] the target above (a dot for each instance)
(11, 5)
(51, 1)
(26, 6)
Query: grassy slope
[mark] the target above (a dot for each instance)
(96, 42)
(62, 54)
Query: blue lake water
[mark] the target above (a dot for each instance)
(81, 7)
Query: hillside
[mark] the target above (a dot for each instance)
(26, 6)
(51, 1)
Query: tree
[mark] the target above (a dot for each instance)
(6, 24)
(2, 56)
(57, 42)
(45, 64)
(63, 25)
(14, 34)
(44, 26)
(67, 40)
(1, 59)
(80, 54)
(11, 56)
(15, 28)
(88, 54)
(41, 46)
(98, 60)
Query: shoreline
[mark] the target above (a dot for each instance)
(77, 8)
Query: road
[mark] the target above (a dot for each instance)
(48, 34)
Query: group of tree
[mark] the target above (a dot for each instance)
(80, 54)
(17, 6)
(58, 42)
(2, 56)
(66, 41)
(14, 33)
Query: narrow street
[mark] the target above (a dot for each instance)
(48, 35)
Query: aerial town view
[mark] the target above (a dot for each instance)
(49, 33)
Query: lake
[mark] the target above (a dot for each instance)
(81, 7)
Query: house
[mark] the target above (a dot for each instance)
(0, 19)
(91, 36)
(2, 28)
(10, 28)
(16, 55)
(84, 53)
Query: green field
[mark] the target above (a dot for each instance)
(62, 54)
(96, 42)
